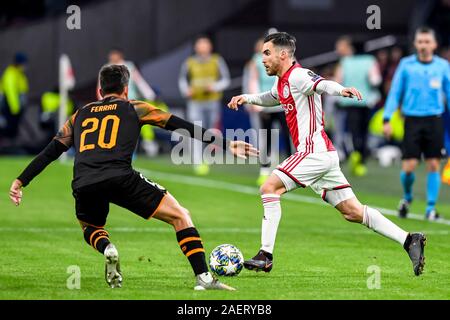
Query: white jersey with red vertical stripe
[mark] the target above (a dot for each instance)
(296, 91)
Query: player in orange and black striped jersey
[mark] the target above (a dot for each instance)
(104, 134)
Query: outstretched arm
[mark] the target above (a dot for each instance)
(265, 99)
(52, 152)
(61, 143)
(240, 149)
(335, 89)
(149, 114)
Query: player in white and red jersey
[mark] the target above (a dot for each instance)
(316, 163)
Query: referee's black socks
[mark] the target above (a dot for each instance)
(192, 247)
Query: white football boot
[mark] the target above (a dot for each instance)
(206, 281)
(113, 275)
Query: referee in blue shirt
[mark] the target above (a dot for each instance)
(420, 84)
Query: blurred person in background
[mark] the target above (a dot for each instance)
(259, 81)
(363, 72)
(13, 93)
(387, 152)
(419, 85)
(382, 57)
(395, 56)
(50, 103)
(202, 79)
(139, 89)
(445, 53)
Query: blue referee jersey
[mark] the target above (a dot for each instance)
(419, 87)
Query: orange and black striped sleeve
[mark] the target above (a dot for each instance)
(149, 114)
(65, 134)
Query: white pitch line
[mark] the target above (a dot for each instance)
(203, 230)
(125, 230)
(222, 185)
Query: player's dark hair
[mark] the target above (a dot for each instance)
(425, 29)
(282, 39)
(114, 78)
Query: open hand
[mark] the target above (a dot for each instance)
(15, 192)
(237, 101)
(243, 149)
(351, 92)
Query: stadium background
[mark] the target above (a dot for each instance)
(158, 35)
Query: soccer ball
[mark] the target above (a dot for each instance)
(226, 260)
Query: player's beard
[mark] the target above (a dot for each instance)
(271, 70)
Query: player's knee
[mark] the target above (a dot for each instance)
(181, 217)
(433, 166)
(265, 188)
(269, 187)
(409, 166)
(353, 212)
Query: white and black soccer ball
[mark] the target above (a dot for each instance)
(226, 260)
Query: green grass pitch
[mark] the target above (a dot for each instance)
(318, 255)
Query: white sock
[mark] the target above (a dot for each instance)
(271, 219)
(206, 277)
(374, 220)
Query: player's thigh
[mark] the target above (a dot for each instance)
(138, 194)
(433, 138)
(302, 169)
(412, 139)
(91, 205)
(333, 186)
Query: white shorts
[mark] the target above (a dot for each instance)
(320, 171)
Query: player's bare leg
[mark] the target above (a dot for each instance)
(271, 191)
(171, 212)
(413, 243)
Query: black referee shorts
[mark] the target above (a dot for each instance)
(423, 135)
(132, 191)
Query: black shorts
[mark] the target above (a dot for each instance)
(132, 191)
(423, 135)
